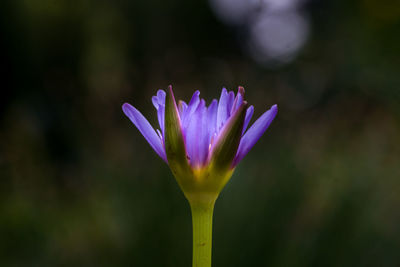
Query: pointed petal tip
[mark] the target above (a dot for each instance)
(241, 90)
(274, 109)
(171, 93)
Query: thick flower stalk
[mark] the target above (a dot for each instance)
(202, 145)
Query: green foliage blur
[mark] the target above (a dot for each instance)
(79, 185)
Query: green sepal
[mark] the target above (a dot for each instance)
(226, 146)
(174, 141)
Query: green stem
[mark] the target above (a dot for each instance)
(202, 213)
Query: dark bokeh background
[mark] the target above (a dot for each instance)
(79, 185)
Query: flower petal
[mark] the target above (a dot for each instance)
(222, 113)
(238, 99)
(154, 99)
(197, 136)
(161, 116)
(231, 99)
(249, 114)
(182, 106)
(212, 118)
(192, 106)
(145, 129)
(161, 97)
(255, 132)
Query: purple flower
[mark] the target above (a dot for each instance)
(214, 133)
(202, 146)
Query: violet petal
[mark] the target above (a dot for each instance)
(255, 132)
(145, 129)
(249, 115)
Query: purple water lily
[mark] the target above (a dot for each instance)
(204, 126)
(202, 146)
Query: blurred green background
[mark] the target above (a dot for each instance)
(79, 185)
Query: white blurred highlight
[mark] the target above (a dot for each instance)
(277, 37)
(276, 29)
